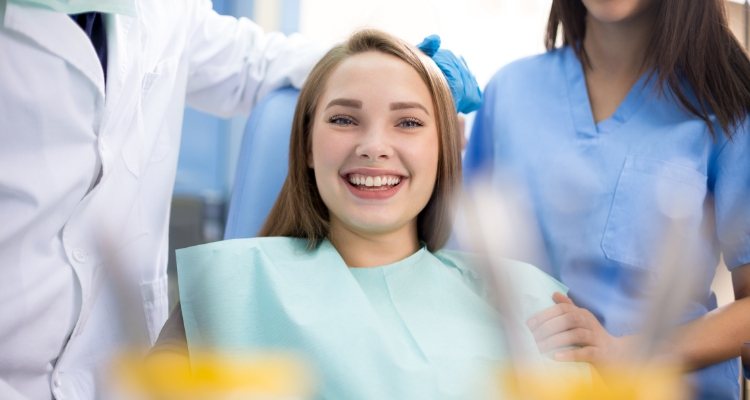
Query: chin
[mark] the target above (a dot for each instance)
(374, 227)
(615, 12)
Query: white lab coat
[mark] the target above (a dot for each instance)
(83, 255)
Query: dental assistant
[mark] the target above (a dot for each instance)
(638, 120)
(90, 122)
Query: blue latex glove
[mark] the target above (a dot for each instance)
(464, 87)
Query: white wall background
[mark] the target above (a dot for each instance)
(488, 33)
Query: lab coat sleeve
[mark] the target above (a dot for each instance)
(7, 392)
(233, 62)
(731, 194)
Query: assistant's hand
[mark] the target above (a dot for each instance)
(574, 334)
(464, 87)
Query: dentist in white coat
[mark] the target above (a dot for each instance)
(87, 168)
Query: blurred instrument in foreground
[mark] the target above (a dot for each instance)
(211, 376)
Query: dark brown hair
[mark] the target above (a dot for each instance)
(690, 43)
(299, 210)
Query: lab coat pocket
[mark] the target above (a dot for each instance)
(657, 204)
(145, 141)
(155, 304)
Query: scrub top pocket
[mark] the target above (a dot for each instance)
(653, 199)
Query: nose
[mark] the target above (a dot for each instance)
(374, 145)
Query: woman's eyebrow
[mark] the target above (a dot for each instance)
(408, 104)
(345, 102)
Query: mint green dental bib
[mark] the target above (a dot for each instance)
(124, 7)
(416, 329)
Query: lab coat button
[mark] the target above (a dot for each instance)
(57, 383)
(79, 255)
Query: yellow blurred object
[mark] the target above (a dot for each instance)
(625, 382)
(169, 375)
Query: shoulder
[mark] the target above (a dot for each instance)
(470, 262)
(530, 68)
(464, 262)
(239, 250)
(738, 137)
(534, 286)
(272, 242)
(232, 268)
(168, 16)
(528, 81)
(534, 278)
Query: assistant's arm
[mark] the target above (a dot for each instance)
(719, 334)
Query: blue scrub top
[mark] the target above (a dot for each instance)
(605, 194)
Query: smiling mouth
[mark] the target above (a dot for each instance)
(373, 183)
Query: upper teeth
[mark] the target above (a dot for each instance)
(360, 180)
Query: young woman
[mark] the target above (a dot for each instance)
(350, 273)
(636, 125)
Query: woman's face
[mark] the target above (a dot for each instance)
(375, 146)
(616, 11)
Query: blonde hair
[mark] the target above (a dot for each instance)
(299, 210)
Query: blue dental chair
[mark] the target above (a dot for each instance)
(263, 163)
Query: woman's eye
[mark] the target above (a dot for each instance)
(341, 120)
(410, 123)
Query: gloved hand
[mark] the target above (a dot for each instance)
(463, 85)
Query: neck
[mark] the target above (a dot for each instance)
(371, 250)
(617, 49)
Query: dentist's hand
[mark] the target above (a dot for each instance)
(574, 334)
(464, 87)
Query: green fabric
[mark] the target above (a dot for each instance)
(420, 328)
(123, 7)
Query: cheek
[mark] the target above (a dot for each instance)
(317, 149)
(434, 147)
(327, 152)
(427, 158)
